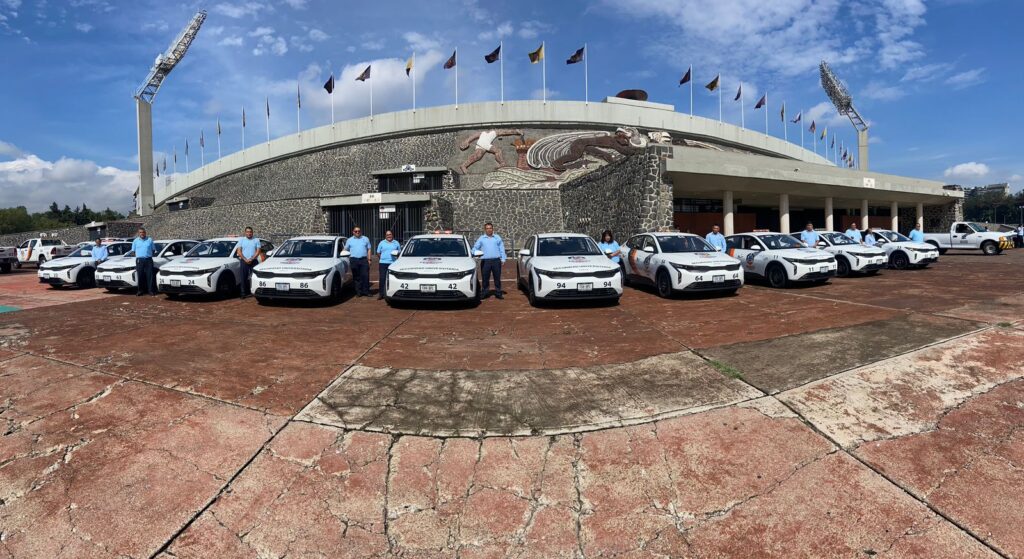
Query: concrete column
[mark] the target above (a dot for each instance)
(727, 213)
(783, 213)
(144, 116)
(863, 215)
(920, 215)
(862, 149)
(829, 220)
(894, 212)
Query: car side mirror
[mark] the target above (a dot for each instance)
(394, 254)
(649, 249)
(478, 253)
(344, 254)
(821, 244)
(608, 253)
(524, 252)
(755, 247)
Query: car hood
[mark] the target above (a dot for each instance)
(857, 249)
(802, 253)
(116, 262)
(66, 261)
(296, 264)
(191, 264)
(586, 263)
(700, 258)
(911, 244)
(432, 264)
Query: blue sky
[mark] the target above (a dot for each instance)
(940, 82)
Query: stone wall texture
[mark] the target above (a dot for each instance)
(275, 220)
(69, 235)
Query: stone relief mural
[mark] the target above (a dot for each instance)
(553, 159)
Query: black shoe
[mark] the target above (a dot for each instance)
(500, 296)
(139, 294)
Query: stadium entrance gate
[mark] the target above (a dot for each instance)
(404, 219)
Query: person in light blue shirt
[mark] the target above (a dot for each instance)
(248, 251)
(869, 237)
(143, 247)
(609, 246)
(384, 250)
(358, 247)
(716, 239)
(809, 236)
(854, 233)
(917, 234)
(493, 249)
(98, 251)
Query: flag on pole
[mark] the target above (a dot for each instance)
(409, 64)
(202, 140)
(165, 164)
(798, 117)
(686, 77)
(833, 145)
(364, 76)
(158, 171)
(713, 85)
(298, 96)
(451, 61)
(175, 155)
(739, 93)
(268, 107)
(329, 84)
(186, 147)
(782, 113)
(581, 56)
(243, 117)
(813, 127)
(537, 55)
(576, 57)
(494, 56)
(762, 102)
(824, 133)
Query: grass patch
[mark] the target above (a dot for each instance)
(727, 370)
(1004, 324)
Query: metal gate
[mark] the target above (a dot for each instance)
(405, 220)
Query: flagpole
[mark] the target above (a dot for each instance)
(743, 119)
(802, 130)
(268, 120)
(719, 98)
(202, 150)
(187, 169)
(298, 108)
(414, 82)
(243, 128)
(218, 138)
(765, 113)
(691, 90)
(456, 78)
(501, 68)
(586, 77)
(785, 123)
(371, 97)
(544, 73)
(333, 87)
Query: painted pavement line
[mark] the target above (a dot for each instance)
(167, 544)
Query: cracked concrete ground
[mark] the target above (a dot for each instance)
(868, 417)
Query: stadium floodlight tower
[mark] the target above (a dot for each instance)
(144, 107)
(840, 96)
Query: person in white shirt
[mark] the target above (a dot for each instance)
(484, 145)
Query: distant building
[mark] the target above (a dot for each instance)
(1000, 188)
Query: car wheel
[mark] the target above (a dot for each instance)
(899, 260)
(664, 284)
(5, 267)
(224, 287)
(86, 279)
(531, 294)
(336, 290)
(776, 276)
(989, 248)
(42, 260)
(842, 267)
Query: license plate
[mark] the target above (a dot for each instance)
(823, 269)
(175, 283)
(584, 287)
(718, 279)
(47, 275)
(107, 277)
(428, 288)
(282, 286)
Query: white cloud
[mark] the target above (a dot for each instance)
(9, 150)
(539, 93)
(232, 41)
(241, 9)
(967, 171)
(419, 42)
(216, 30)
(502, 31)
(533, 29)
(267, 42)
(823, 114)
(926, 72)
(261, 32)
(896, 22)
(84, 27)
(967, 78)
(373, 44)
(318, 35)
(32, 182)
(882, 92)
(297, 4)
(1015, 178)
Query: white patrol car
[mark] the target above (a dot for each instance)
(904, 253)
(851, 256)
(78, 268)
(312, 267)
(119, 272)
(210, 267)
(555, 266)
(434, 267)
(679, 262)
(780, 258)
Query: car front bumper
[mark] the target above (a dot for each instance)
(868, 264)
(62, 277)
(812, 272)
(431, 289)
(179, 283)
(713, 280)
(923, 258)
(116, 280)
(578, 288)
(284, 287)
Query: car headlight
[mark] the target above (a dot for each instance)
(209, 270)
(554, 275)
(455, 275)
(805, 261)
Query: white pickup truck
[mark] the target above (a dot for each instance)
(970, 236)
(8, 258)
(40, 250)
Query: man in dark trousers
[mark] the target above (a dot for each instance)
(248, 252)
(143, 247)
(358, 247)
(493, 249)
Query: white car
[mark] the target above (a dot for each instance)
(77, 268)
(679, 262)
(313, 267)
(554, 266)
(434, 267)
(119, 272)
(780, 259)
(904, 253)
(851, 256)
(210, 267)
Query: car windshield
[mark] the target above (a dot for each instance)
(682, 243)
(567, 246)
(892, 236)
(212, 249)
(838, 239)
(51, 243)
(157, 247)
(306, 248)
(977, 226)
(776, 242)
(84, 251)
(436, 247)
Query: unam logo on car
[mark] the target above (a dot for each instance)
(292, 260)
(577, 259)
(750, 260)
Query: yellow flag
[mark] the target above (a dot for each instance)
(537, 55)
(408, 64)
